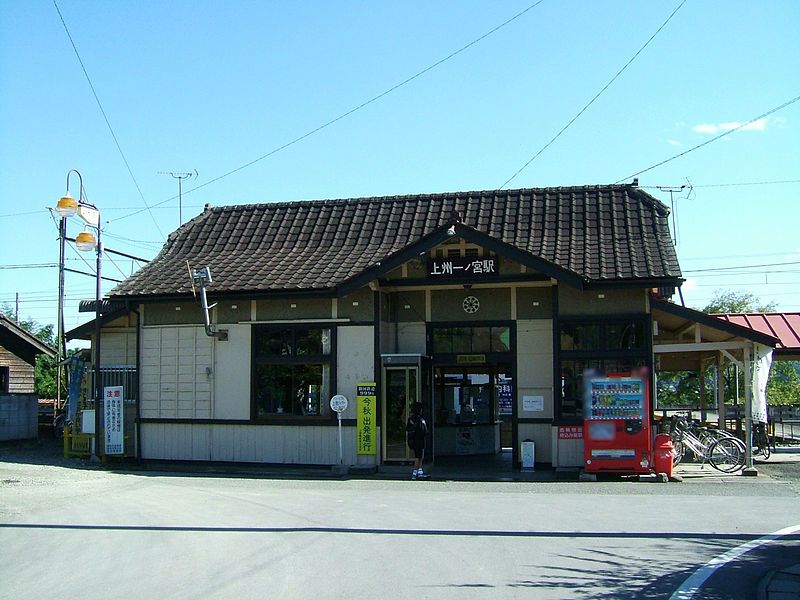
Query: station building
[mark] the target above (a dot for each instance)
(485, 306)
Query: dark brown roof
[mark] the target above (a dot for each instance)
(580, 234)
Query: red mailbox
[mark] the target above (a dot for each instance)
(663, 454)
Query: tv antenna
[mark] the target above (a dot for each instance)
(673, 190)
(180, 177)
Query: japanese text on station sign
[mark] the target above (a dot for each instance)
(461, 267)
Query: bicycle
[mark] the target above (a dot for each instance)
(724, 452)
(761, 442)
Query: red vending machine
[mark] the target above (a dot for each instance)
(616, 429)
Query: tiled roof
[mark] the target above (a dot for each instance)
(597, 233)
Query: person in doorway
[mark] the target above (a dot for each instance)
(416, 436)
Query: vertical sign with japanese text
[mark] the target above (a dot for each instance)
(366, 417)
(113, 410)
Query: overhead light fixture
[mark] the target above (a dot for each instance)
(85, 241)
(67, 206)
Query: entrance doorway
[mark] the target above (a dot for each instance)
(401, 392)
(473, 409)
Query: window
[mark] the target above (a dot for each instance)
(292, 371)
(4, 380)
(471, 340)
(608, 346)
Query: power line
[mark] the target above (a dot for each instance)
(352, 110)
(728, 256)
(714, 139)
(709, 185)
(108, 123)
(780, 264)
(604, 88)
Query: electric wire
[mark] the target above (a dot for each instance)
(714, 139)
(351, 111)
(780, 264)
(105, 117)
(592, 101)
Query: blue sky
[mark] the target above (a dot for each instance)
(212, 86)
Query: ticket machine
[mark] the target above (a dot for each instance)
(616, 428)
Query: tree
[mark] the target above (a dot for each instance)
(736, 302)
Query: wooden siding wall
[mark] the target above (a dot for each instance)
(567, 453)
(20, 373)
(176, 373)
(306, 445)
(118, 348)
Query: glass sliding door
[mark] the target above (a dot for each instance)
(401, 392)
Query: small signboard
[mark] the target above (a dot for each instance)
(458, 267)
(570, 432)
(505, 397)
(114, 422)
(366, 417)
(533, 403)
(339, 403)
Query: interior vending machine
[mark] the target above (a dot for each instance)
(616, 429)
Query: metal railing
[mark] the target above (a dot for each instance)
(124, 375)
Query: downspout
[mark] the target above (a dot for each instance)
(138, 380)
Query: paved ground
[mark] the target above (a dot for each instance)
(90, 532)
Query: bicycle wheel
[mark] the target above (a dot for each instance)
(726, 455)
(677, 452)
(761, 447)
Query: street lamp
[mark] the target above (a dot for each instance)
(67, 207)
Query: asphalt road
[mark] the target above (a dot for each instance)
(72, 530)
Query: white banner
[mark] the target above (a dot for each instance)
(762, 361)
(113, 413)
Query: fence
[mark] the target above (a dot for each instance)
(784, 421)
(124, 375)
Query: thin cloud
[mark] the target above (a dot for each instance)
(711, 128)
(674, 143)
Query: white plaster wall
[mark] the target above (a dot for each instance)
(355, 357)
(535, 366)
(231, 374)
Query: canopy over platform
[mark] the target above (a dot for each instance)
(686, 340)
(783, 326)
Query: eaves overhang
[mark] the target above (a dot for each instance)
(696, 316)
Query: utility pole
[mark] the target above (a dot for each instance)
(16, 310)
(180, 177)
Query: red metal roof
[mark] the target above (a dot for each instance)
(784, 326)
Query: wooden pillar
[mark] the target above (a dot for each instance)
(702, 378)
(748, 411)
(721, 390)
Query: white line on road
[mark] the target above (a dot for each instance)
(693, 583)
